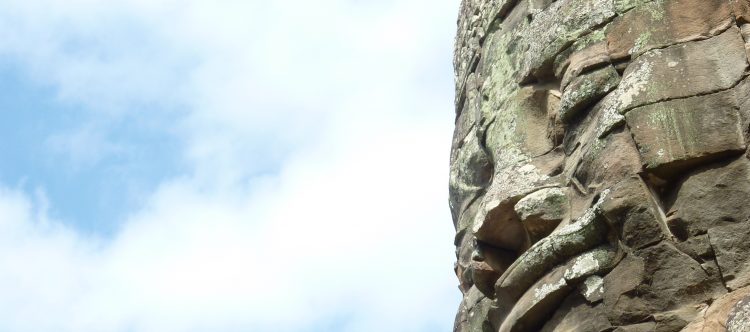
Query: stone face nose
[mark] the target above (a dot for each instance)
(542, 211)
(599, 173)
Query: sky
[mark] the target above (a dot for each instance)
(226, 165)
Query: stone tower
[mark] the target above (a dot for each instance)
(600, 178)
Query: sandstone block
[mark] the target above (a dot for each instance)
(554, 29)
(587, 89)
(497, 258)
(577, 315)
(686, 131)
(731, 244)
(496, 221)
(676, 320)
(605, 162)
(714, 195)
(739, 317)
(671, 275)
(588, 58)
(470, 174)
(541, 211)
(550, 291)
(662, 23)
(642, 327)
(473, 313)
(484, 278)
(589, 51)
(715, 317)
(568, 241)
(621, 286)
(680, 71)
(632, 212)
(741, 10)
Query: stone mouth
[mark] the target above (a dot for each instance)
(540, 278)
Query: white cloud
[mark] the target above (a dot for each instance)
(350, 229)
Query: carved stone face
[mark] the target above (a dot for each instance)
(599, 146)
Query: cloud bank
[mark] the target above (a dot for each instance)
(314, 141)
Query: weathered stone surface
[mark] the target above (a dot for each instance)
(512, 138)
(589, 51)
(556, 28)
(742, 93)
(499, 259)
(570, 240)
(674, 276)
(622, 289)
(484, 278)
(634, 213)
(474, 22)
(716, 316)
(666, 22)
(586, 59)
(577, 315)
(698, 247)
(469, 181)
(731, 244)
(586, 89)
(684, 70)
(471, 167)
(541, 211)
(642, 327)
(496, 222)
(602, 163)
(741, 10)
(739, 317)
(745, 30)
(660, 283)
(513, 135)
(714, 195)
(592, 289)
(610, 126)
(464, 252)
(549, 292)
(679, 71)
(472, 316)
(676, 320)
(680, 133)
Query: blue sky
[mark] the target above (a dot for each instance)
(226, 165)
(92, 187)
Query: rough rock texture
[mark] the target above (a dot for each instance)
(599, 176)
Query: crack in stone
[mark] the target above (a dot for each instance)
(711, 34)
(708, 93)
(716, 260)
(656, 204)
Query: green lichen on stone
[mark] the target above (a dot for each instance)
(640, 43)
(561, 60)
(556, 28)
(586, 89)
(656, 9)
(622, 6)
(497, 89)
(552, 203)
(683, 129)
(568, 241)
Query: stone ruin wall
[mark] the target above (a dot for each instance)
(600, 178)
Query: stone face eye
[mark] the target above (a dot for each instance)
(599, 172)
